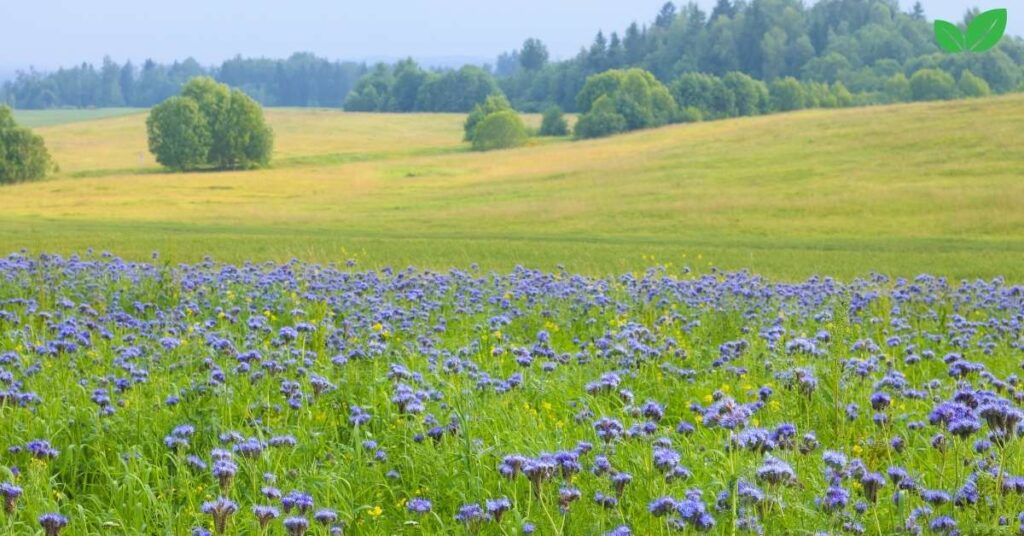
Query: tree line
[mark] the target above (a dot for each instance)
(869, 48)
(301, 80)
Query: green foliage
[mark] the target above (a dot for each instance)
(787, 94)
(179, 136)
(493, 104)
(932, 84)
(300, 80)
(603, 119)
(406, 87)
(534, 55)
(209, 126)
(553, 123)
(632, 95)
(707, 93)
(23, 155)
(750, 96)
(972, 86)
(499, 130)
(241, 137)
(860, 43)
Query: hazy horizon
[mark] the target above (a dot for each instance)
(460, 32)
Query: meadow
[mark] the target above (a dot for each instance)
(305, 399)
(901, 190)
(712, 328)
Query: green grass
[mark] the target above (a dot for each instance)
(902, 189)
(48, 118)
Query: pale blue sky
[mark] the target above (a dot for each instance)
(51, 33)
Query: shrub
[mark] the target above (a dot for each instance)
(554, 123)
(23, 155)
(973, 86)
(749, 95)
(787, 94)
(492, 104)
(932, 84)
(602, 120)
(707, 93)
(209, 125)
(499, 130)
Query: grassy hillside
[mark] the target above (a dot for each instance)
(905, 189)
(46, 118)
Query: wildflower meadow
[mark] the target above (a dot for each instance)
(304, 399)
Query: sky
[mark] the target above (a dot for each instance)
(47, 34)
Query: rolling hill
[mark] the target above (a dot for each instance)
(905, 189)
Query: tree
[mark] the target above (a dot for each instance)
(972, 86)
(841, 95)
(932, 84)
(491, 105)
(408, 80)
(554, 123)
(787, 94)
(603, 119)
(534, 55)
(707, 93)
(209, 126)
(23, 155)
(179, 136)
(241, 137)
(749, 95)
(666, 15)
(634, 95)
(499, 130)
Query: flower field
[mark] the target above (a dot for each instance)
(148, 398)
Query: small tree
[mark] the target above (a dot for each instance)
(787, 94)
(493, 104)
(534, 55)
(973, 86)
(554, 123)
(932, 84)
(179, 136)
(499, 130)
(23, 155)
(603, 119)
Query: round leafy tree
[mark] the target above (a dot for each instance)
(554, 123)
(209, 126)
(179, 136)
(23, 155)
(499, 130)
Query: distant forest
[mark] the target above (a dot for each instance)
(301, 80)
(869, 47)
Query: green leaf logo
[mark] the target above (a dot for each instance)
(983, 33)
(950, 38)
(986, 30)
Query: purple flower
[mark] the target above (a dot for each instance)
(419, 505)
(265, 514)
(53, 523)
(296, 526)
(497, 507)
(221, 509)
(10, 493)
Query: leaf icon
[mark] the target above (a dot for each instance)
(986, 30)
(950, 38)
